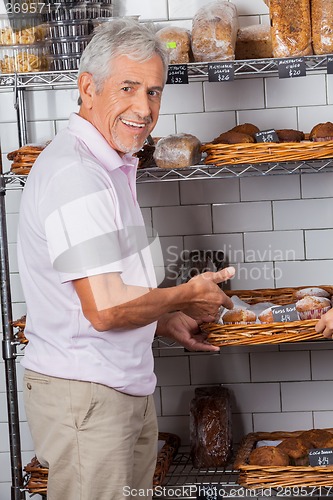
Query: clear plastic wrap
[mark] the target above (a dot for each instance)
(214, 32)
(210, 427)
(322, 26)
(254, 42)
(290, 28)
(178, 43)
(177, 151)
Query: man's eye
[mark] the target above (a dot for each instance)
(127, 89)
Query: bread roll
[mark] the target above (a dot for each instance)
(314, 291)
(290, 27)
(246, 128)
(293, 447)
(312, 307)
(268, 455)
(290, 135)
(322, 132)
(238, 315)
(254, 42)
(214, 32)
(178, 43)
(322, 26)
(177, 151)
(232, 137)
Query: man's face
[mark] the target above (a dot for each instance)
(126, 110)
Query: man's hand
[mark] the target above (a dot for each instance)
(185, 331)
(204, 297)
(325, 325)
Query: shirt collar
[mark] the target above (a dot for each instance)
(99, 147)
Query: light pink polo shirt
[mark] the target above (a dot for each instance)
(79, 217)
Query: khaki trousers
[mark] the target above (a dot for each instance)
(99, 444)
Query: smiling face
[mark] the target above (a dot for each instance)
(126, 110)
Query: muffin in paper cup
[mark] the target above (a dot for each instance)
(311, 307)
(239, 316)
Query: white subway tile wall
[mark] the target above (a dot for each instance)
(276, 230)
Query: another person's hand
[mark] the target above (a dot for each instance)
(205, 297)
(185, 331)
(325, 325)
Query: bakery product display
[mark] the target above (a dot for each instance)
(177, 151)
(312, 307)
(238, 315)
(322, 26)
(210, 427)
(290, 27)
(268, 455)
(322, 132)
(178, 43)
(314, 291)
(254, 42)
(290, 135)
(266, 316)
(214, 32)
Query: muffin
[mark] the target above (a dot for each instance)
(266, 316)
(311, 307)
(313, 291)
(239, 315)
(322, 132)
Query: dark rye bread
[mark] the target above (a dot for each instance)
(210, 427)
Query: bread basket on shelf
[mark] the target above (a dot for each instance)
(266, 152)
(258, 333)
(288, 476)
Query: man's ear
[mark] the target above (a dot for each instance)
(87, 89)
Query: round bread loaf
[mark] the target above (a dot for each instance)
(322, 132)
(312, 307)
(246, 128)
(239, 315)
(293, 447)
(232, 137)
(317, 437)
(290, 135)
(268, 455)
(177, 151)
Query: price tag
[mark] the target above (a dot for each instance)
(209, 492)
(321, 456)
(221, 72)
(292, 67)
(329, 65)
(177, 73)
(266, 136)
(282, 314)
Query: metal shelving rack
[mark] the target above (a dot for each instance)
(181, 473)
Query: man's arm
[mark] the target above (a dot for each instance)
(108, 303)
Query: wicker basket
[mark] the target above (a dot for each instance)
(266, 152)
(257, 333)
(254, 476)
(36, 475)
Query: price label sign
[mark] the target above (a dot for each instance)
(321, 456)
(177, 73)
(283, 314)
(221, 72)
(266, 136)
(209, 492)
(330, 65)
(291, 67)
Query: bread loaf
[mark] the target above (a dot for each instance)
(177, 151)
(268, 455)
(322, 26)
(254, 42)
(290, 27)
(210, 427)
(178, 43)
(214, 32)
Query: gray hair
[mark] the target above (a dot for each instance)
(117, 37)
